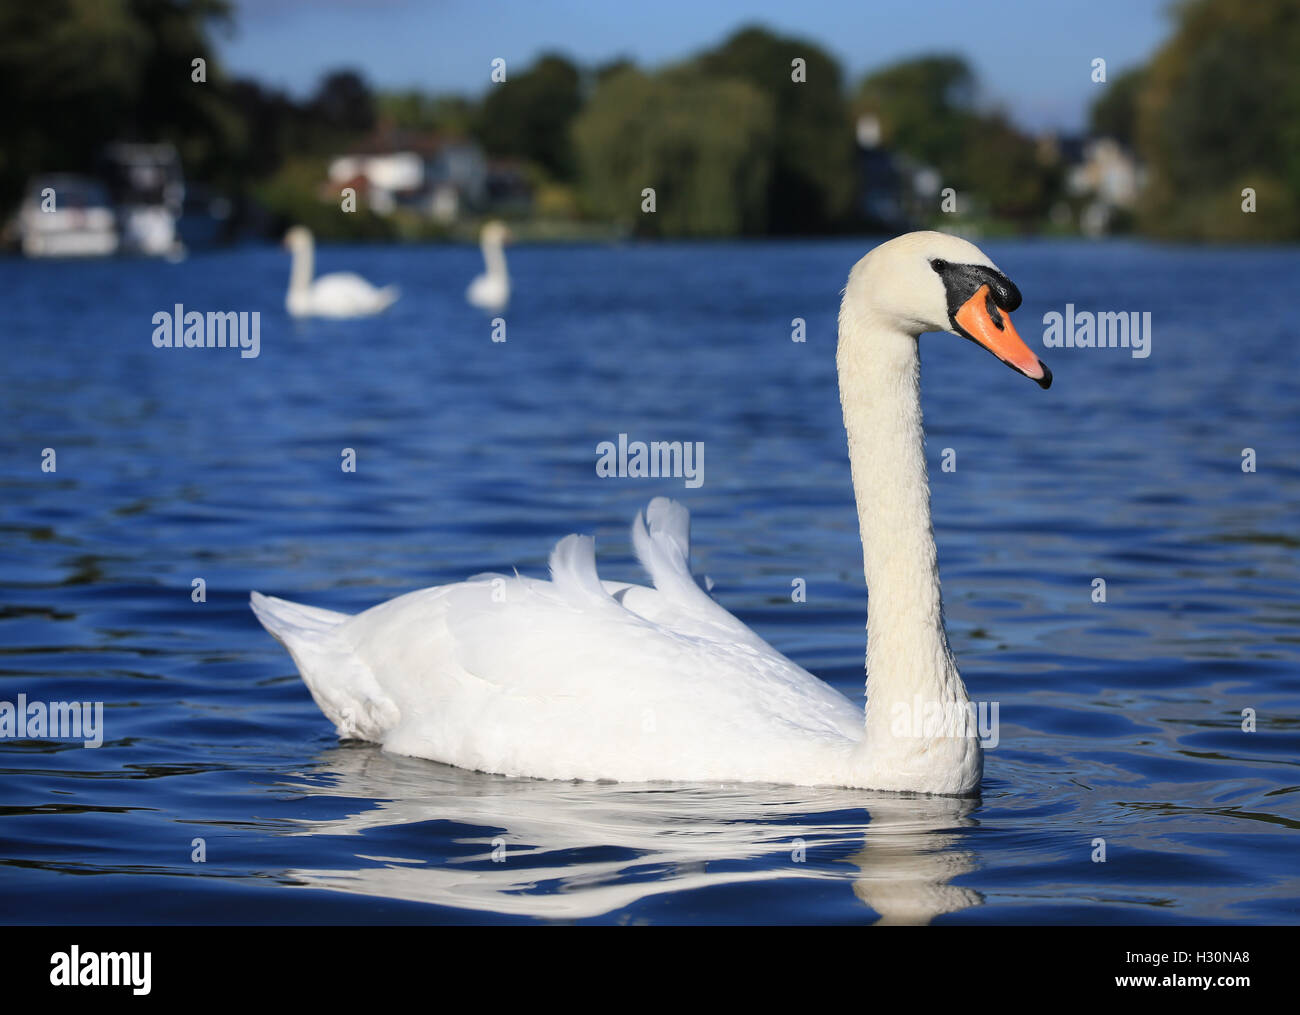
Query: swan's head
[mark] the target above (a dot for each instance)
(494, 233)
(928, 281)
(298, 238)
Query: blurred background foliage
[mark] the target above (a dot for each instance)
(811, 179)
(731, 144)
(1217, 110)
(705, 146)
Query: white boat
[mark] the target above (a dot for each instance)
(67, 216)
(148, 191)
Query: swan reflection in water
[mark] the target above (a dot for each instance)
(897, 852)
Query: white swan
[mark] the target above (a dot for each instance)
(340, 294)
(576, 678)
(491, 290)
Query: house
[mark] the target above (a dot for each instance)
(1103, 176)
(435, 176)
(459, 176)
(894, 191)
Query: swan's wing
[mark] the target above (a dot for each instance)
(558, 669)
(562, 680)
(578, 678)
(342, 283)
(673, 632)
(345, 292)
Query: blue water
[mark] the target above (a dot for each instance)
(1120, 721)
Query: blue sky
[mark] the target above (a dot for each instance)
(1033, 57)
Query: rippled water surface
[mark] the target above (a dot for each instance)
(1120, 721)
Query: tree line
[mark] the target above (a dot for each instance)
(754, 136)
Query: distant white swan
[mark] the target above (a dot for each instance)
(491, 290)
(340, 294)
(577, 678)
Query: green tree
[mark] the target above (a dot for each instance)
(813, 173)
(528, 115)
(1115, 113)
(611, 67)
(1001, 166)
(926, 108)
(343, 103)
(413, 110)
(704, 146)
(1220, 111)
(77, 74)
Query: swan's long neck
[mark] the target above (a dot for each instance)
(908, 658)
(494, 258)
(302, 267)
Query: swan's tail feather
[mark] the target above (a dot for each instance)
(662, 540)
(280, 615)
(573, 570)
(341, 684)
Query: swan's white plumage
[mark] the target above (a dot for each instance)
(339, 294)
(574, 678)
(342, 294)
(491, 290)
(578, 678)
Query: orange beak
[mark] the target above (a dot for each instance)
(981, 320)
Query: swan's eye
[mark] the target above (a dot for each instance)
(938, 264)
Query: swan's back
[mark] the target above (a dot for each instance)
(574, 678)
(342, 294)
